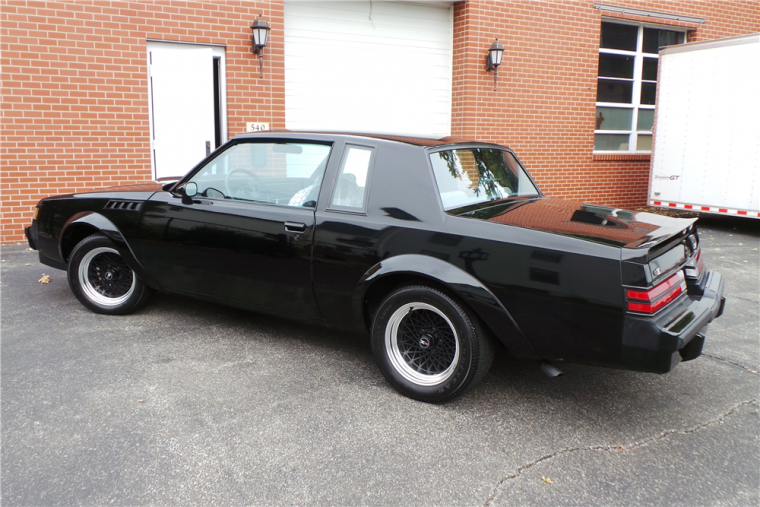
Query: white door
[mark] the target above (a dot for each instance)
(184, 124)
(369, 66)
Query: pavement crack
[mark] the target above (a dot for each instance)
(619, 448)
(730, 362)
(743, 298)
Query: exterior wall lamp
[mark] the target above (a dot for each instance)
(493, 59)
(260, 33)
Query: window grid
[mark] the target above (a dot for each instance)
(635, 106)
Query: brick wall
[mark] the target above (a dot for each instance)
(544, 104)
(75, 90)
(75, 93)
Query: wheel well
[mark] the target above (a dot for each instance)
(73, 235)
(381, 288)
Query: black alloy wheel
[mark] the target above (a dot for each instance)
(102, 281)
(428, 345)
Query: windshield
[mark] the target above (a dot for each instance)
(474, 175)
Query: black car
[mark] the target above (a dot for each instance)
(441, 249)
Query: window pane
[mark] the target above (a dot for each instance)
(654, 39)
(288, 174)
(646, 119)
(350, 189)
(614, 91)
(611, 142)
(644, 143)
(650, 69)
(648, 93)
(613, 118)
(478, 175)
(615, 66)
(616, 36)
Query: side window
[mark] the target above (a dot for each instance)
(287, 174)
(351, 188)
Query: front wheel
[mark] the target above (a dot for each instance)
(102, 281)
(428, 345)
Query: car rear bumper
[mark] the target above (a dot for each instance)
(658, 343)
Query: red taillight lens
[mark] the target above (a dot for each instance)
(658, 297)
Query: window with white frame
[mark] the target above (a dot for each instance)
(625, 98)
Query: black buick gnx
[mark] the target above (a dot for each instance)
(441, 249)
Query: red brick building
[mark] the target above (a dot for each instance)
(81, 103)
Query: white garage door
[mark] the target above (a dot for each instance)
(368, 66)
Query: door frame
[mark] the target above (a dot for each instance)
(218, 52)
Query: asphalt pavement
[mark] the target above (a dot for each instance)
(189, 403)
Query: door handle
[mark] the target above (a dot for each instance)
(295, 227)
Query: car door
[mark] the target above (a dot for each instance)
(243, 233)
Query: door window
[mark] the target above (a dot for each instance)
(351, 188)
(287, 174)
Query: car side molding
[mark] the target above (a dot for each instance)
(92, 220)
(480, 299)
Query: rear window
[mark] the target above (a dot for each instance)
(475, 175)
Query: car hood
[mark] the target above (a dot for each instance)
(148, 186)
(140, 191)
(600, 224)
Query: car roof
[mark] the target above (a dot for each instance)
(417, 141)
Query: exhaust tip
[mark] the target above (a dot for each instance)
(550, 370)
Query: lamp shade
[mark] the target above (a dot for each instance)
(495, 52)
(260, 33)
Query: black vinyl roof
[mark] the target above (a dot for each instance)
(417, 141)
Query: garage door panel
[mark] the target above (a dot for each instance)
(345, 71)
(379, 14)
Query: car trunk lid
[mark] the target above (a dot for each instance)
(648, 234)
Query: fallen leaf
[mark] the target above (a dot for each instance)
(61, 323)
(140, 401)
(547, 480)
(44, 279)
(28, 264)
(731, 235)
(741, 244)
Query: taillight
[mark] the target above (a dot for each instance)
(698, 263)
(658, 297)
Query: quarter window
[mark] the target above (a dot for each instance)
(351, 188)
(628, 59)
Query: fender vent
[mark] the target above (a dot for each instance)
(124, 205)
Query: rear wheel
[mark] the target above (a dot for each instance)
(102, 281)
(428, 345)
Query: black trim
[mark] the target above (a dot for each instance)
(217, 102)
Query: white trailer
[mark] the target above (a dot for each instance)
(706, 154)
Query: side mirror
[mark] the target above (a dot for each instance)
(187, 192)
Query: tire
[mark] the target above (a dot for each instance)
(102, 281)
(428, 345)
